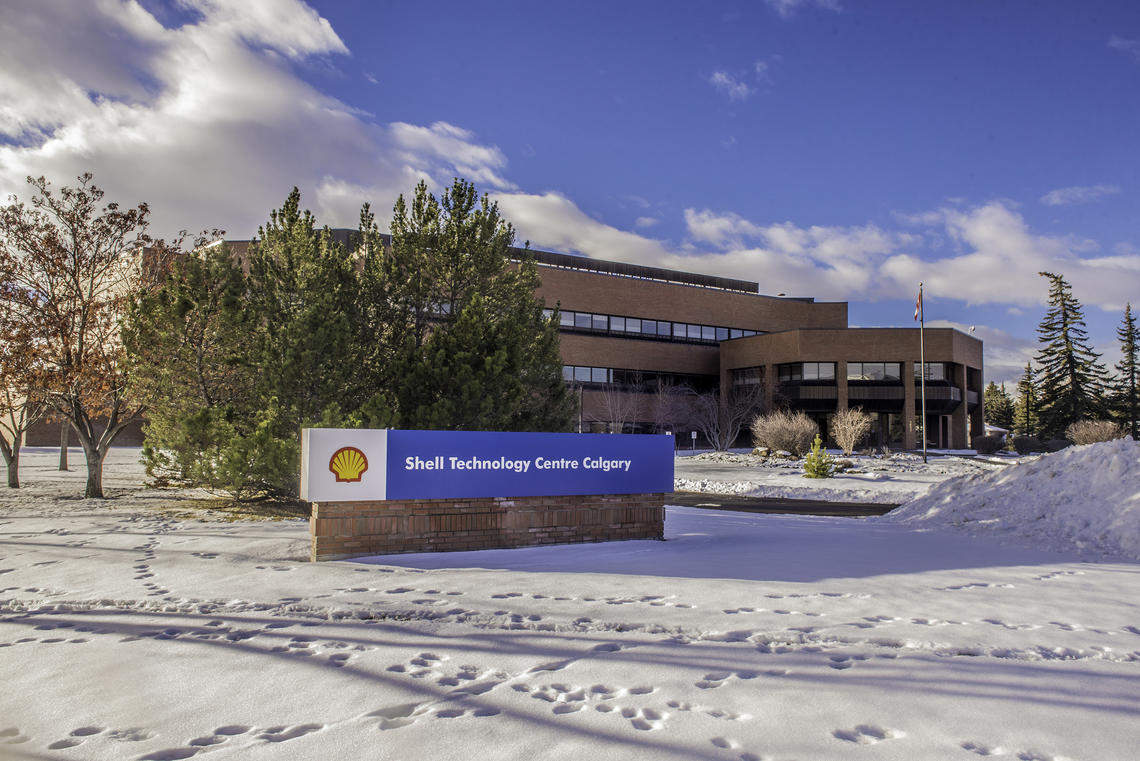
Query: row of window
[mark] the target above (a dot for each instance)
(642, 328)
(635, 379)
(857, 371)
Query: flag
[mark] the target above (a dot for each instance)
(918, 304)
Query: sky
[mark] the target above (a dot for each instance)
(833, 149)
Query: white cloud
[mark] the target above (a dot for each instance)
(1005, 355)
(1078, 194)
(761, 70)
(728, 85)
(207, 122)
(646, 222)
(788, 8)
(1132, 47)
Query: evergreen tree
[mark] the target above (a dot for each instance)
(998, 406)
(191, 349)
(1025, 422)
(475, 351)
(1072, 381)
(304, 291)
(1126, 401)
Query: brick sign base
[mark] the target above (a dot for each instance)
(343, 530)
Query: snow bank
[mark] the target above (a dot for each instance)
(1086, 497)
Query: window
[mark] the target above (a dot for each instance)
(582, 374)
(824, 371)
(666, 329)
(599, 375)
(791, 372)
(935, 371)
(567, 373)
(747, 376)
(874, 371)
(547, 314)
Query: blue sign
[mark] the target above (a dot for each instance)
(361, 464)
(447, 464)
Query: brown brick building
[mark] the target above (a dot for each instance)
(628, 331)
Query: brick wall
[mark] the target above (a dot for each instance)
(342, 530)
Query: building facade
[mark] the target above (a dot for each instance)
(632, 334)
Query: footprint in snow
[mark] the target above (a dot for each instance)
(867, 734)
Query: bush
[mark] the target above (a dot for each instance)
(1092, 431)
(988, 444)
(790, 431)
(1056, 445)
(818, 463)
(849, 426)
(1027, 444)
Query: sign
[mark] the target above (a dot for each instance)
(344, 465)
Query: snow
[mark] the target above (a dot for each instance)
(881, 479)
(1083, 497)
(130, 629)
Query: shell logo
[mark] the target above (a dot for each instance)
(348, 464)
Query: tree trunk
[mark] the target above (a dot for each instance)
(12, 460)
(94, 488)
(64, 429)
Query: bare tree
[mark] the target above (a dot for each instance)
(76, 266)
(668, 406)
(618, 406)
(849, 426)
(721, 417)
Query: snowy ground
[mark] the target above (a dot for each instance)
(891, 479)
(127, 632)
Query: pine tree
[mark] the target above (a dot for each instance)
(1072, 380)
(1026, 407)
(475, 350)
(304, 291)
(190, 348)
(1126, 394)
(998, 406)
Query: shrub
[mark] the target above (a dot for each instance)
(818, 463)
(1027, 444)
(790, 431)
(1056, 445)
(988, 444)
(1092, 431)
(849, 426)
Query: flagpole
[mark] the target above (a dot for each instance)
(922, 363)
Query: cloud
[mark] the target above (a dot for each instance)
(207, 122)
(646, 222)
(991, 256)
(1005, 355)
(728, 85)
(787, 8)
(1132, 47)
(1078, 194)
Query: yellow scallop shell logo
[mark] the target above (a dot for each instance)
(348, 464)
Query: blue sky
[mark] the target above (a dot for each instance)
(843, 150)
